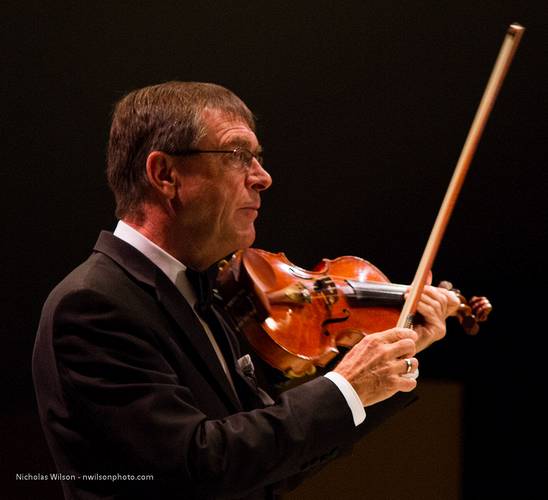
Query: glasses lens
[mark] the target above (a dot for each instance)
(245, 157)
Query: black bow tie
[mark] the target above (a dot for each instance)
(201, 281)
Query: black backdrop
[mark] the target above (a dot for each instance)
(363, 108)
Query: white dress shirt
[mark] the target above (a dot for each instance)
(175, 271)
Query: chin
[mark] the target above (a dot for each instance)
(245, 240)
(232, 244)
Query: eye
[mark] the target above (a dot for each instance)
(243, 156)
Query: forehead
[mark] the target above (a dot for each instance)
(224, 128)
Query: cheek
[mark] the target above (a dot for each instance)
(225, 198)
(204, 203)
(212, 201)
(195, 191)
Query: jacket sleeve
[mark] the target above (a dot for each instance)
(122, 404)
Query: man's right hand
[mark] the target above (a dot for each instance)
(375, 365)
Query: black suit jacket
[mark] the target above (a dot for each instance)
(128, 384)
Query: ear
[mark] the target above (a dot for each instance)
(161, 174)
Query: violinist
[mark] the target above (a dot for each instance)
(136, 376)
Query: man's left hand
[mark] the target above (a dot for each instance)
(435, 305)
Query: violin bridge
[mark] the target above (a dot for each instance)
(328, 290)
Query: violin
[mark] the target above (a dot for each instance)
(295, 319)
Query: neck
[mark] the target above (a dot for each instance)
(159, 228)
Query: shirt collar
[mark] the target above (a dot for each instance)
(171, 267)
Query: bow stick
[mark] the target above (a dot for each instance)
(507, 51)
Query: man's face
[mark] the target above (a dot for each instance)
(219, 197)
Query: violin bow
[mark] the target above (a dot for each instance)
(502, 64)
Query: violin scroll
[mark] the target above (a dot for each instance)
(470, 312)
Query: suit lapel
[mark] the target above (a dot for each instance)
(175, 305)
(182, 313)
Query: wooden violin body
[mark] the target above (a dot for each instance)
(295, 318)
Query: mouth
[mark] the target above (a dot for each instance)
(252, 206)
(251, 211)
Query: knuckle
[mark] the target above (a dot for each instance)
(442, 305)
(408, 345)
(373, 342)
(444, 299)
(385, 353)
(400, 332)
(405, 333)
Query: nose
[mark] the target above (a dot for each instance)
(258, 178)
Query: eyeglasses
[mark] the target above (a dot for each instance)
(241, 157)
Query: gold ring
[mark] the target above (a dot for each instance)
(409, 365)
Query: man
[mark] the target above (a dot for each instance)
(133, 380)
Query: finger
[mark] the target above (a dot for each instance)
(406, 384)
(414, 374)
(438, 306)
(393, 335)
(431, 293)
(430, 307)
(453, 302)
(437, 293)
(411, 369)
(404, 348)
(434, 301)
(406, 366)
(448, 297)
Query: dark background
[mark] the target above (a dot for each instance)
(363, 108)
